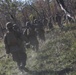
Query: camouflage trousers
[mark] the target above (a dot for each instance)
(19, 57)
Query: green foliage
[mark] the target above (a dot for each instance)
(56, 54)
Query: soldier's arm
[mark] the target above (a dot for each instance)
(6, 45)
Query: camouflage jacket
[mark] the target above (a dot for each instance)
(12, 43)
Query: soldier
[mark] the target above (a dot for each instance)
(26, 34)
(59, 20)
(40, 30)
(50, 24)
(14, 46)
(31, 36)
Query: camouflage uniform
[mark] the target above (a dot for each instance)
(40, 30)
(15, 46)
(31, 35)
(50, 24)
(59, 20)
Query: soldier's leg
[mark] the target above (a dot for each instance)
(16, 58)
(23, 58)
(32, 42)
(61, 25)
(35, 43)
(50, 26)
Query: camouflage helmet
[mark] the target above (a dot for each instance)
(35, 21)
(28, 24)
(15, 26)
(9, 25)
